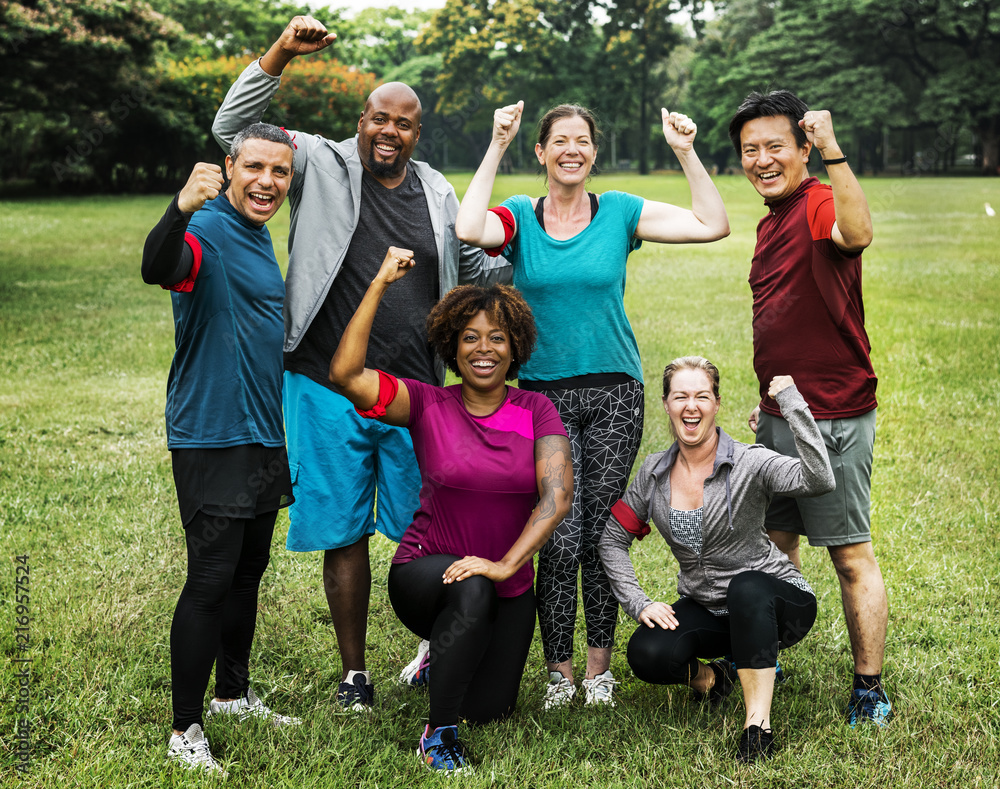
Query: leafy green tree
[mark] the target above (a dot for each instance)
(379, 40)
(638, 38)
(214, 28)
(952, 48)
(496, 52)
(72, 72)
(74, 56)
(874, 65)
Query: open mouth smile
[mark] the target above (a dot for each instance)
(261, 201)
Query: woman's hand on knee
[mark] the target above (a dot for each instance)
(658, 614)
(474, 565)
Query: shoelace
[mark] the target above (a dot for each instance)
(602, 687)
(452, 752)
(200, 752)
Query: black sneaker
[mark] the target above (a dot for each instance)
(725, 679)
(356, 696)
(756, 744)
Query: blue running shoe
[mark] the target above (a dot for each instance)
(868, 705)
(442, 750)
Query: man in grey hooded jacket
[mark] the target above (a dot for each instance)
(350, 201)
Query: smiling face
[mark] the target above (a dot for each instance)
(569, 152)
(259, 179)
(483, 354)
(771, 157)
(388, 131)
(691, 406)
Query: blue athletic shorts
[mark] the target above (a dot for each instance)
(338, 460)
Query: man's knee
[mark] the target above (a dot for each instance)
(786, 541)
(853, 562)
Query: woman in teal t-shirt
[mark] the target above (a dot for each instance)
(568, 251)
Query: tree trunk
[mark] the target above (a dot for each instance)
(989, 137)
(643, 121)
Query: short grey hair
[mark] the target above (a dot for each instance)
(259, 131)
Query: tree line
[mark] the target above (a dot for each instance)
(119, 95)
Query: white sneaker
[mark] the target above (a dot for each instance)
(250, 707)
(417, 671)
(559, 692)
(191, 750)
(599, 689)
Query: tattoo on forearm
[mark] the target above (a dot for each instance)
(554, 450)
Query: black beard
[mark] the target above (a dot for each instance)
(384, 169)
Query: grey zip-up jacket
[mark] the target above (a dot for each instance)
(325, 199)
(736, 497)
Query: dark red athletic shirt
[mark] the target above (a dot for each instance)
(808, 313)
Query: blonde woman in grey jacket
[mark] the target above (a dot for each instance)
(739, 595)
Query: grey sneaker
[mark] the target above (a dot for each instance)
(599, 690)
(560, 691)
(417, 672)
(191, 751)
(251, 707)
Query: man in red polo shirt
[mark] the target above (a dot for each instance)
(808, 322)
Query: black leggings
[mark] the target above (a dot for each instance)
(217, 611)
(762, 612)
(479, 641)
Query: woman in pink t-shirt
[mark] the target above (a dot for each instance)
(497, 479)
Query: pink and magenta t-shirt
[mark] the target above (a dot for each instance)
(478, 475)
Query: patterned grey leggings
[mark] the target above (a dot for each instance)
(605, 427)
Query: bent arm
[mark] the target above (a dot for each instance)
(475, 223)
(852, 232)
(707, 219)
(245, 103)
(614, 552)
(810, 474)
(554, 475)
(166, 259)
(348, 373)
(669, 224)
(249, 96)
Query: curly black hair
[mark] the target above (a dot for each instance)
(502, 304)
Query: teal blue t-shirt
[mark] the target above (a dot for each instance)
(224, 387)
(576, 289)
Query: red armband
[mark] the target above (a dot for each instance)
(186, 285)
(629, 521)
(509, 226)
(290, 137)
(387, 388)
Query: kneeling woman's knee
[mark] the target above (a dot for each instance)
(751, 597)
(474, 601)
(653, 657)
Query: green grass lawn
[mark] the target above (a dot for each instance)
(86, 492)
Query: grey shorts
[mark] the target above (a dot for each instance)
(843, 516)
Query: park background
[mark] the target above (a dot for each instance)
(107, 103)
